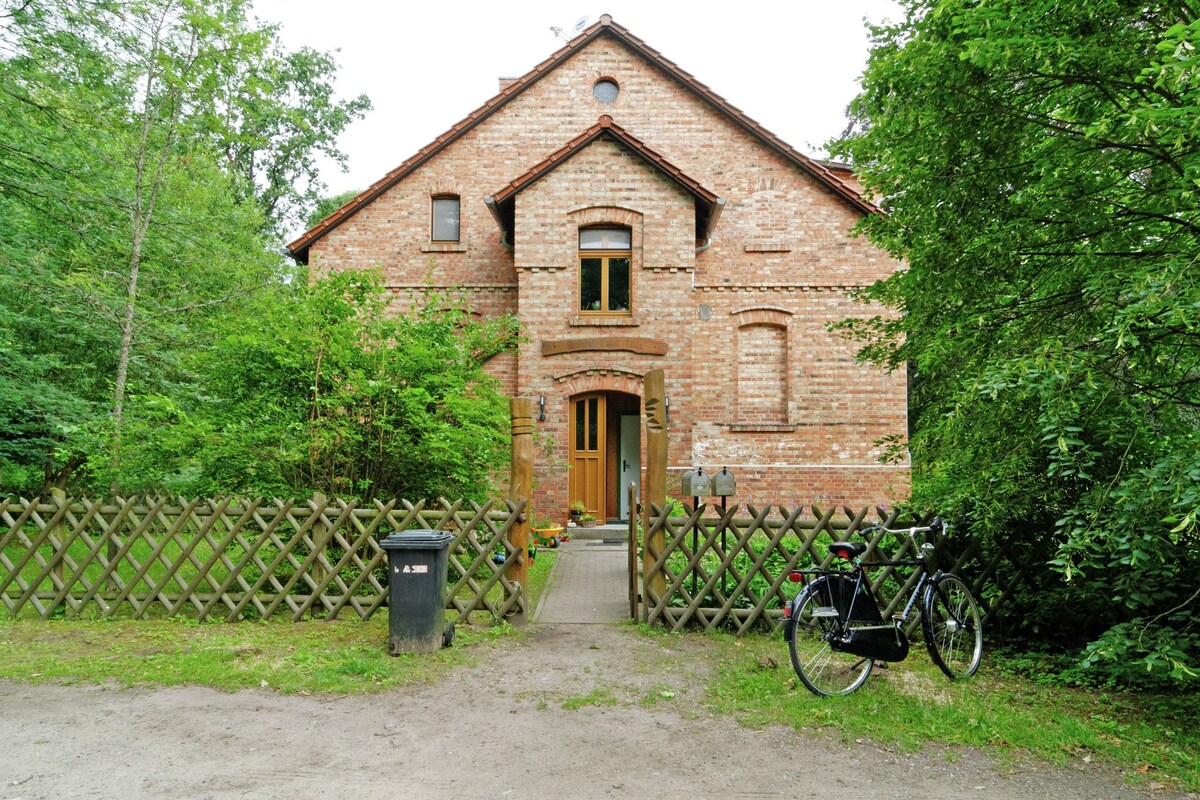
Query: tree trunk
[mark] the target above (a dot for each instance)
(144, 199)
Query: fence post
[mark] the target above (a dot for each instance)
(520, 486)
(320, 537)
(56, 538)
(654, 584)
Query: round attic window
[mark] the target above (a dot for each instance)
(605, 90)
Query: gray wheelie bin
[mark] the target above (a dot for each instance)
(416, 591)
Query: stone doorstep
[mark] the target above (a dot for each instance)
(598, 532)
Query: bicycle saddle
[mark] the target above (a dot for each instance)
(848, 550)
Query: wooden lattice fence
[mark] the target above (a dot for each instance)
(237, 559)
(730, 571)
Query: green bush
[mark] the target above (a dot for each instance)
(325, 388)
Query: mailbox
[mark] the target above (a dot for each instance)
(723, 484)
(695, 483)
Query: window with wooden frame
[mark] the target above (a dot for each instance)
(444, 226)
(605, 271)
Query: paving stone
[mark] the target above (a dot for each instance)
(589, 584)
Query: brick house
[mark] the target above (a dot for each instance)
(632, 219)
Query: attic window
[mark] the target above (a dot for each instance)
(606, 90)
(445, 223)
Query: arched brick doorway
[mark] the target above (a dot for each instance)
(604, 446)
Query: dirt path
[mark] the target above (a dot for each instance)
(456, 739)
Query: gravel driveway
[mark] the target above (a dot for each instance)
(600, 711)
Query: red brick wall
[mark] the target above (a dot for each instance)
(781, 257)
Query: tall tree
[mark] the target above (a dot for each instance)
(1040, 165)
(273, 115)
(133, 134)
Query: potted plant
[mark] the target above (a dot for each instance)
(577, 510)
(587, 521)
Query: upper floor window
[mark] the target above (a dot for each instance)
(445, 226)
(604, 270)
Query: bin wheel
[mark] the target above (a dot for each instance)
(448, 635)
(553, 543)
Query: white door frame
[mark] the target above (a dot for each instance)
(629, 460)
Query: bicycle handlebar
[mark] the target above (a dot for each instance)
(936, 525)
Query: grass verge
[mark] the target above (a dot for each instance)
(318, 656)
(339, 657)
(1153, 739)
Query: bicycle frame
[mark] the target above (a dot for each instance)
(858, 573)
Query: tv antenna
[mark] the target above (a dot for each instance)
(580, 24)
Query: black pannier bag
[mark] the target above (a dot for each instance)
(851, 599)
(856, 604)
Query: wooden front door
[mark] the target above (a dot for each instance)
(588, 467)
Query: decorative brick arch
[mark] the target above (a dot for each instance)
(606, 215)
(445, 186)
(762, 315)
(600, 379)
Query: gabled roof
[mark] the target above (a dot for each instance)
(708, 205)
(604, 27)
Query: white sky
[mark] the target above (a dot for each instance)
(791, 65)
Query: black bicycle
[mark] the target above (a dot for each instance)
(835, 631)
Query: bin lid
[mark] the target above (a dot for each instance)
(418, 539)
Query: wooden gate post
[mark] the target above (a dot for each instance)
(520, 486)
(654, 585)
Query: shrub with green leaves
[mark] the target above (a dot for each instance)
(324, 387)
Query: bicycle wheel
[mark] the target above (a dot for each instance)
(825, 671)
(952, 627)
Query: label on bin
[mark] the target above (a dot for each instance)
(416, 569)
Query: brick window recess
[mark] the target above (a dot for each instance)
(444, 224)
(762, 390)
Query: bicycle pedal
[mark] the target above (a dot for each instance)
(898, 617)
(824, 612)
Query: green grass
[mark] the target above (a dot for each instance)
(539, 574)
(1153, 739)
(340, 657)
(656, 694)
(597, 697)
(336, 657)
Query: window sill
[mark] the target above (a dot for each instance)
(444, 247)
(762, 427)
(604, 322)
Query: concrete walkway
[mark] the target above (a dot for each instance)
(589, 582)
